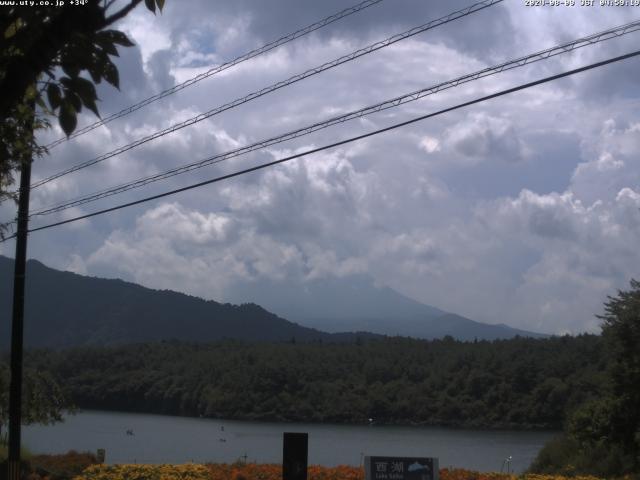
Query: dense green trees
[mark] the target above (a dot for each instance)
(43, 399)
(522, 383)
(621, 331)
(602, 436)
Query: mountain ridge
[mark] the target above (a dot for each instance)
(356, 302)
(76, 310)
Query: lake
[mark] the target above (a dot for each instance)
(167, 439)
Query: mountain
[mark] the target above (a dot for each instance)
(64, 309)
(333, 299)
(356, 303)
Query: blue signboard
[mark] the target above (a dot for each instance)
(401, 468)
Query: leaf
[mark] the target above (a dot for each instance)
(109, 47)
(31, 92)
(41, 104)
(117, 37)
(151, 5)
(160, 4)
(71, 69)
(95, 67)
(66, 82)
(84, 88)
(91, 105)
(13, 28)
(73, 99)
(53, 95)
(95, 76)
(110, 74)
(87, 93)
(67, 118)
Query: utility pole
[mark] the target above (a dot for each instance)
(17, 325)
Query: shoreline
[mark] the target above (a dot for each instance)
(280, 420)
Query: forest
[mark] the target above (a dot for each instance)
(587, 385)
(519, 383)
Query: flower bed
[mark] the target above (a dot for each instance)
(252, 471)
(145, 472)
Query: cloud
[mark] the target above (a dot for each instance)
(480, 137)
(208, 254)
(583, 251)
(429, 144)
(522, 210)
(149, 32)
(613, 163)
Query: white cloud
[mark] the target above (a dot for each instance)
(613, 162)
(430, 144)
(444, 210)
(147, 32)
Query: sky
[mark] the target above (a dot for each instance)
(523, 210)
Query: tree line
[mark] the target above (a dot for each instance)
(518, 383)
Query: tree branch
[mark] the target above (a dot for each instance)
(121, 13)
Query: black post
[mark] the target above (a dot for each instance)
(294, 456)
(17, 325)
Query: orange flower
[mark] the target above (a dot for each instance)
(253, 471)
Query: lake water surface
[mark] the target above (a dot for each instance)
(166, 439)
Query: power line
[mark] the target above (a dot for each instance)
(387, 104)
(342, 142)
(276, 86)
(247, 56)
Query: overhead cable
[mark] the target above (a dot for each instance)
(242, 58)
(341, 142)
(276, 86)
(387, 104)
